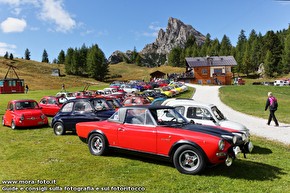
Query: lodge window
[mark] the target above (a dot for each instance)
(204, 71)
(218, 71)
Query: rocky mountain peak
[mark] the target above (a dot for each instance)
(176, 35)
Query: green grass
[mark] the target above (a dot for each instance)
(251, 100)
(37, 154)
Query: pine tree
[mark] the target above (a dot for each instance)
(11, 57)
(247, 63)
(75, 63)
(240, 49)
(96, 64)
(269, 64)
(226, 46)
(6, 55)
(214, 48)
(82, 62)
(272, 43)
(45, 57)
(61, 57)
(286, 54)
(27, 54)
(68, 61)
(174, 57)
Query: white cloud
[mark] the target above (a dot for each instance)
(4, 47)
(49, 11)
(13, 25)
(52, 10)
(16, 3)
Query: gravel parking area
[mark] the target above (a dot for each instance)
(257, 126)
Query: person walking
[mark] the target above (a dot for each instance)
(26, 88)
(272, 104)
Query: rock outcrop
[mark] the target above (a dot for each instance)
(176, 35)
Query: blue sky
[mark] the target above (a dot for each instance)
(57, 25)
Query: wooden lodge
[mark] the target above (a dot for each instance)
(211, 70)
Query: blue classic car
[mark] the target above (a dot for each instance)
(80, 110)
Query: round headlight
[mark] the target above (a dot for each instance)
(22, 117)
(42, 116)
(244, 137)
(221, 144)
(235, 139)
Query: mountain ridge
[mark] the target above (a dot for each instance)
(176, 35)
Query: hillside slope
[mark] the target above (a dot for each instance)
(38, 75)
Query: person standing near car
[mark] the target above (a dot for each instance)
(272, 104)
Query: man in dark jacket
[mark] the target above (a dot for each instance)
(272, 103)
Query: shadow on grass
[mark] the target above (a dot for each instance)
(261, 150)
(241, 168)
(248, 170)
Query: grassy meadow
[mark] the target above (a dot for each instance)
(64, 164)
(251, 99)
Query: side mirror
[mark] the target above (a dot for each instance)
(212, 119)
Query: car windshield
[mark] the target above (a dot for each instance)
(167, 117)
(217, 113)
(101, 104)
(26, 105)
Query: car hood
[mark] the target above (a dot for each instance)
(233, 125)
(211, 130)
(31, 112)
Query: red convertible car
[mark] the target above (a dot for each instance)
(162, 131)
(23, 113)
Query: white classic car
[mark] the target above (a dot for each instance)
(203, 113)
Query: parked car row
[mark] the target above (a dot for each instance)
(282, 82)
(188, 133)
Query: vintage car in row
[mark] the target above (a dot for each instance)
(23, 113)
(67, 95)
(50, 105)
(162, 131)
(203, 113)
(80, 110)
(136, 100)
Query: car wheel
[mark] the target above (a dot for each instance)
(13, 126)
(188, 160)
(58, 129)
(97, 144)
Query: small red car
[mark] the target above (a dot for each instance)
(136, 100)
(162, 131)
(50, 105)
(23, 113)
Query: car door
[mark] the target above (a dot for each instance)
(138, 134)
(9, 114)
(82, 112)
(52, 106)
(65, 115)
(199, 115)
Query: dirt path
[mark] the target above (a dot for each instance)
(257, 126)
